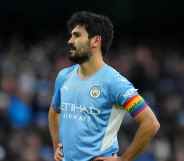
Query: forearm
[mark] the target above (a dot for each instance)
(143, 136)
(53, 118)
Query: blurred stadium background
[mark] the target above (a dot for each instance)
(148, 49)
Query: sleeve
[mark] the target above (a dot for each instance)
(55, 102)
(125, 95)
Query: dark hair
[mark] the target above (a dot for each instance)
(94, 24)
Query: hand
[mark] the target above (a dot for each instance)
(113, 158)
(58, 156)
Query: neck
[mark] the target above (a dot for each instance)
(92, 66)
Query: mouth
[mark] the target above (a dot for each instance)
(72, 51)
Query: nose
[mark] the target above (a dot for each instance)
(70, 41)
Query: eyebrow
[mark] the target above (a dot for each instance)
(76, 33)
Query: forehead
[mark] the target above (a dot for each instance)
(79, 29)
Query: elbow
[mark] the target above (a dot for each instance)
(155, 126)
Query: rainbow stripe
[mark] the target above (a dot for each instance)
(135, 105)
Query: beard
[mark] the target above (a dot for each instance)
(79, 57)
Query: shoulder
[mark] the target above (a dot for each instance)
(118, 82)
(113, 75)
(65, 71)
(63, 74)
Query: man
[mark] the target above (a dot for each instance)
(91, 98)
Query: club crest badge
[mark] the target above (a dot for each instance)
(95, 91)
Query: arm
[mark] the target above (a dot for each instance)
(148, 127)
(124, 94)
(53, 118)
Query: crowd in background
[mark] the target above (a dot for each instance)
(27, 74)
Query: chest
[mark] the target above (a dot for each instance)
(88, 93)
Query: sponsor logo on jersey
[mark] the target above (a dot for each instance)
(78, 112)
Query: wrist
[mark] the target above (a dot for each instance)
(125, 158)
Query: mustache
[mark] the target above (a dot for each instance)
(66, 48)
(71, 47)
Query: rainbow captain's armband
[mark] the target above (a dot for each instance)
(135, 105)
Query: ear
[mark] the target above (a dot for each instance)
(96, 41)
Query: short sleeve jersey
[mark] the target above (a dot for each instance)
(92, 110)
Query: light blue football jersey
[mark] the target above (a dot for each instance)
(90, 116)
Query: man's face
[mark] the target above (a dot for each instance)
(79, 44)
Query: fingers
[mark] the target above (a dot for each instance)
(99, 159)
(59, 146)
(58, 156)
(112, 158)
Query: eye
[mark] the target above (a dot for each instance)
(76, 34)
